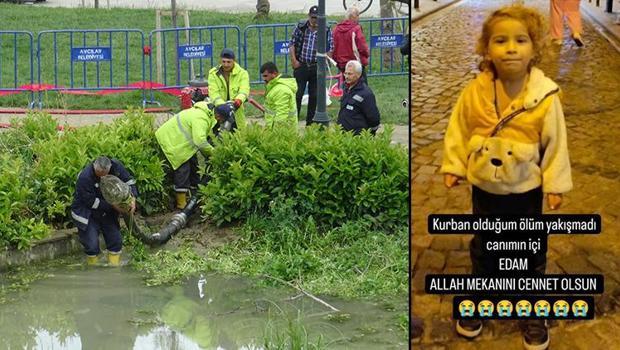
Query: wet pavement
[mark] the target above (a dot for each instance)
(443, 63)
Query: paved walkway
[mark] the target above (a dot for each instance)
(609, 21)
(428, 7)
(444, 61)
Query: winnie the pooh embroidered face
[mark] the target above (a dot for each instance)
(496, 159)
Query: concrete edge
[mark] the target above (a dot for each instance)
(436, 9)
(59, 243)
(602, 29)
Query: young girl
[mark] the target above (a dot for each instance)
(507, 137)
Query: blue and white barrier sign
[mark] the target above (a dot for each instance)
(280, 47)
(188, 52)
(91, 54)
(386, 40)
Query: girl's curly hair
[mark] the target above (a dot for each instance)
(533, 20)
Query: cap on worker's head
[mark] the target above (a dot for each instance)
(228, 53)
(225, 110)
(314, 11)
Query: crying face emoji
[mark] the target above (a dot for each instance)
(560, 308)
(524, 308)
(485, 308)
(542, 308)
(580, 308)
(504, 308)
(466, 308)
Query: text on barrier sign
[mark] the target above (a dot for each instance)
(386, 40)
(280, 47)
(511, 224)
(91, 54)
(188, 52)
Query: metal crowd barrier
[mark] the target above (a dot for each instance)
(385, 36)
(81, 61)
(99, 59)
(13, 46)
(183, 53)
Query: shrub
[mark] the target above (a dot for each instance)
(40, 168)
(130, 139)
(329, 174)
(18, 227)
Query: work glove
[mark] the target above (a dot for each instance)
(237, 103)
(227, 112)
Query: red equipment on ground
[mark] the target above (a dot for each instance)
(197, 90)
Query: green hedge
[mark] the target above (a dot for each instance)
(330, 175)
(130, 139)
(39, 168)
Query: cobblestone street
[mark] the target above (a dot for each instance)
(443, 62)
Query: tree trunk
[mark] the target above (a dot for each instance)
(173, 7)
(387, 28)
(262, 9)
(96, 4)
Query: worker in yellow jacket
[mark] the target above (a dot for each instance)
(229, 82)
(183, 136)
(280, 92)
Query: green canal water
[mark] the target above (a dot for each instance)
(75, 307)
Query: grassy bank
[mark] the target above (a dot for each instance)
(390, 90)
(350, 261)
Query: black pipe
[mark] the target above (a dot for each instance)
(177, 222)
(135, 229)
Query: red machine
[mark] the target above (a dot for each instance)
(197, 90)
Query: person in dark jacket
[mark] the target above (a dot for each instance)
(302, 52)
(358, 107)
(92, 214)
(350, 43)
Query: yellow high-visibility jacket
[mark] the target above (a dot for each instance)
(238, 88)
(280, 105)
(186, 133)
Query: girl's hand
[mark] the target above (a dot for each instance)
(450, 180)
(554, 200)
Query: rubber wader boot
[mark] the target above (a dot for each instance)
(114, 259)
(92, 260)
(181, 200)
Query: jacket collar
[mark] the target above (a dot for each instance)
(358, 85)
(234, 71)
(537, 87)
(273, 82)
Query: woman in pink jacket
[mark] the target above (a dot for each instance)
(570, 10)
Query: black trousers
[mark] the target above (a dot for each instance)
(186, 176)
(306, 75)
(485, 203)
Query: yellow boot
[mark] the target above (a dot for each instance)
(114, 259)
(92, 260)
(181, 200)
